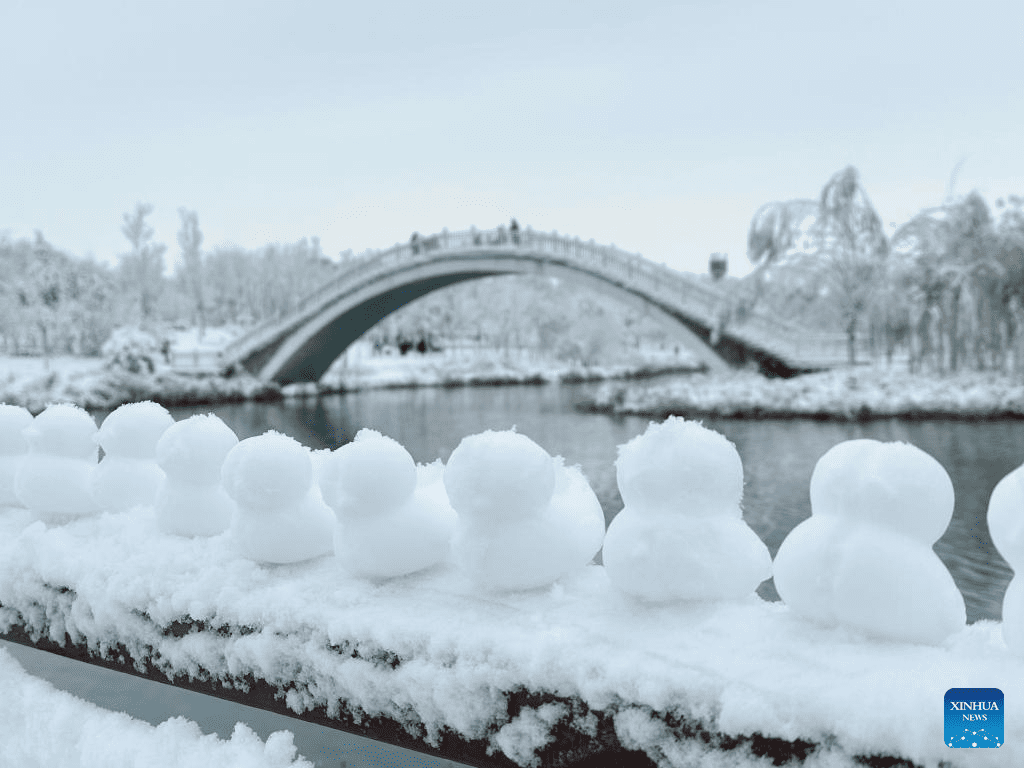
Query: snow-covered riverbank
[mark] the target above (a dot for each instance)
(639, 388)
(32, 382)
(863, 393)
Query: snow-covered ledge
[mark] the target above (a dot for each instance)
(567, 675)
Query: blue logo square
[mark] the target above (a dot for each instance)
(974, 718)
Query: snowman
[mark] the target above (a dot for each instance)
(190, 500)
(13, 448)
(128, 475)
(1006, 526)
(864, 558)
(53, 479)
(524, 519)
(281, 515)
(681, 534)
(392, 520)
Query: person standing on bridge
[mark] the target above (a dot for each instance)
(414, 243)
(514, 229)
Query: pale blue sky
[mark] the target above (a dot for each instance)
(660, 127)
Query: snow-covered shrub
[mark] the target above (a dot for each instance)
(132, 350)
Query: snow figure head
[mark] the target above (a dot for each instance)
(498, 476)
(193, 450)
(13, 421)
(680, 466)
(133, 429)
(895, 485)
(371, 473)
(268, 472)
(63, 430)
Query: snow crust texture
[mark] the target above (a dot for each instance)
(864, 558)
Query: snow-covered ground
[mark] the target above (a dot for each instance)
(46, 727)
(868, 392)
(359, 370)
(33, 382)
(522, 674)
(85, 381)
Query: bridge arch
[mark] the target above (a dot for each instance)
(303, 345)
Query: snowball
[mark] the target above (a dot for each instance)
(392, 519)
(268, 471)
(13, 421)
(499, 476)
(63, 429)
(133, 430)
(864, 558)
(658, 558)
(409, 537)
(1006, 518)
(281, 515)
(371, 472)
(13, 448)
(194, 449)
(191, 501)
(53, 479)
(680, 466)
(1006, 526)
(128, 476)
(894, 485)
(524, 519)
(681, 535)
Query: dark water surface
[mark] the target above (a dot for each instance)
(778, 455)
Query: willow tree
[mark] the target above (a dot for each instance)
(853, 249)
(959, 276)
(142, 269)
(836, 258)
(190, 271)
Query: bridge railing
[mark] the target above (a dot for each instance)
(630, 270)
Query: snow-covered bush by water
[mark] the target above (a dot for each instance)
(132, 350)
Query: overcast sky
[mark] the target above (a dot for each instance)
(660, 127)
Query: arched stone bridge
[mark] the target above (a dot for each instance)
(301, 346)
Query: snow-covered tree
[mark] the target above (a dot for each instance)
(190, 239)
(142, 269)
